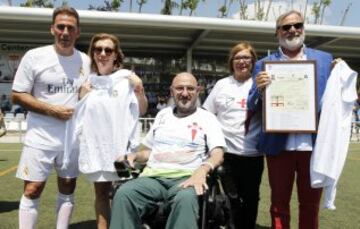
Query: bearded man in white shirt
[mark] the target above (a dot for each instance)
(177, 161)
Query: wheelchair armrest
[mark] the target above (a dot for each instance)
(220, 171)
(212, 180)
(217, 173)
(124, 170)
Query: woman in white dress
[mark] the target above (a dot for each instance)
(113, 98)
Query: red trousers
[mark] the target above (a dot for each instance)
(282, 170)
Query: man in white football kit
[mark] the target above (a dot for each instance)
(46, 84)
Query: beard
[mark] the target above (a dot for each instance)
(292, 43)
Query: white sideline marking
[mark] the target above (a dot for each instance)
(2, 173)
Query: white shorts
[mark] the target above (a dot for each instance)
(36, 164)
(102, 176)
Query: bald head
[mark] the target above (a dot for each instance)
(185, 91)
(184, 76)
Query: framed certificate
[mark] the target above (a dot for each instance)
(289, 103)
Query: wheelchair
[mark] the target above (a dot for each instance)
(214, 204)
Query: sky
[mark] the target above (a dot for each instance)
(209, 8)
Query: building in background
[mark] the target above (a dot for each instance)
(159, 46)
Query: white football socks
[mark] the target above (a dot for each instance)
(64, 208)
(28, 212)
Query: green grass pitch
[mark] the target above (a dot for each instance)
(346, 216)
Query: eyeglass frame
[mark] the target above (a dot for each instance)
(287, 27)
(108, 51)
(246, 59)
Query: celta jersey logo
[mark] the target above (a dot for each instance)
(195, 128)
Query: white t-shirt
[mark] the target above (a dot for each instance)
(332, 142)
(106, 120)
(297, 142)
(181, 143)
(161, 106)
(110, 124)
(53, 79)
(227, 101)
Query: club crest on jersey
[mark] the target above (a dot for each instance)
(81, 72)
(115, 93)
(195, 128)
(26, 171)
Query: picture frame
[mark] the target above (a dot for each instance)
(289, 102)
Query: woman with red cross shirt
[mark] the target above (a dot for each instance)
(242, 162)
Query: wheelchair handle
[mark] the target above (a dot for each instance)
(124, 170)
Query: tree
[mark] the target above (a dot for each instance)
(224, 9)
(183, 5)
(316, 12)
(305, 10)
(325, 3)
(243, 10)
(268, 10)
(229, 5)
(192, 5)
(114, 5)
(141, 3)
(38, 3)
(130, 6)
(343, 20)
(259, 10)
(64, 3)
(169, 5)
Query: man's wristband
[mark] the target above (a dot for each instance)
(209, 164)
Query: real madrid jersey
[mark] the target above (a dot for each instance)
(53, 79)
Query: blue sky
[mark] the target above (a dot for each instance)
(333, 14)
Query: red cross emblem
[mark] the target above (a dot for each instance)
(242, 103)
(194, 129)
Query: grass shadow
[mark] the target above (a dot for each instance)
(261, 227)
(90, 224)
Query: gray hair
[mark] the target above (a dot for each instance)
(280, 19)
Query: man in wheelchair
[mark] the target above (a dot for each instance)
(183, 145)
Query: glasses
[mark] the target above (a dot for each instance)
(287, 27)
(242, 58)
(62, 27)
(108, 51)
